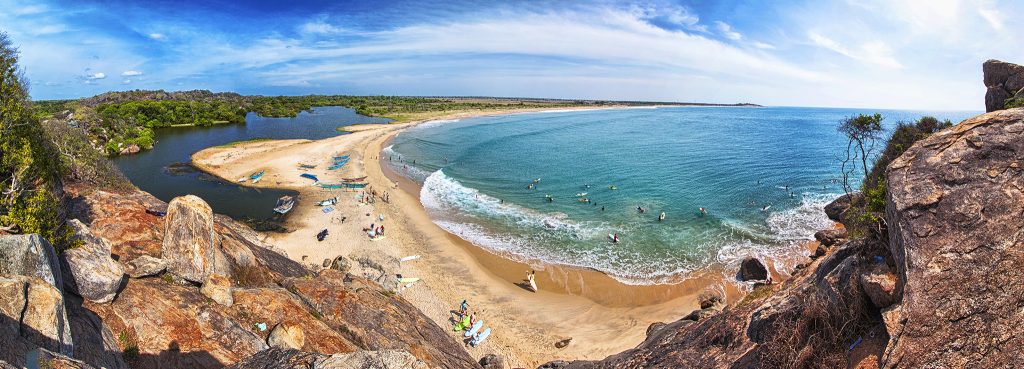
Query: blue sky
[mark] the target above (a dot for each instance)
(913, 54)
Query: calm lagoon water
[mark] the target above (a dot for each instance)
(732, 161)
(159, 171)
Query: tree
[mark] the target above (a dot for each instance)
(862, 133)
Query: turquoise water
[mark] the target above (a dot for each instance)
(733, 162)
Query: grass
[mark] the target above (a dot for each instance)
(233, 143)
(758, 294)
(131, 350)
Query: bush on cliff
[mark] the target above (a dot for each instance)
(29, 174)
(869, 215)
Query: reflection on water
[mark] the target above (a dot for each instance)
(165, 173)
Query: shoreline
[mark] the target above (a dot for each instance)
(603, 315)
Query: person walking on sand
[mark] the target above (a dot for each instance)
(381, 233)
(463, 308)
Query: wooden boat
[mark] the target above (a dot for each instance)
(353, 179)
(307, 166)
(328, 202)
(284, 205)
(345, 185)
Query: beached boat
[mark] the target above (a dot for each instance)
(353, 179)
(284, 204)
(310, 176)
(337, 165)
(340, 157)
(243, 179)
(307, 166)
(345, 185)
(328, 202)
(257, 176)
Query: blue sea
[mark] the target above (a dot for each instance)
(762, 174)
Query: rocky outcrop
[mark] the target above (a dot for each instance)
(276, 358)
(89, 270)
(277, 306)
(190, 243)
(1003, 81)
(838, 210)
(32, 304)
(830, 237)
(492, 361)
(374, 319)
(955, 215)
(42, 358)
(751, 269)
(174, 326)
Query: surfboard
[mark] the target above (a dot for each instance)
(483, 336)
(377, 238)
(476, 327)
(407, 280)
(611, 237)
(409, 258)
(533, 285)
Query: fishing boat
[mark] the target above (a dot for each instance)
(310, 176)
(340, 157)
(243, 179)
(353, 179)
(284, 204)
(257, 176)
(328, 202)
(307, 166)
(345, 185)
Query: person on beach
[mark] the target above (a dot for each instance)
(463, 308)
(530, 277)
(472, 319)
(381, 232)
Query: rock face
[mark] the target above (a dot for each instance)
(830, 237)
(42, 358)
(955, 209)
(33, 299)
(190, 244)
(1003, 81)
(753, 270)
(373, 319)
(276, 358)
(90, 272)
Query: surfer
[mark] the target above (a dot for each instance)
(472, 319)
(703, 212)
(615, 238)
(529, 186)
(766, 207)
(661, 217)
(641, 209)
(530, 277)
(602, 208)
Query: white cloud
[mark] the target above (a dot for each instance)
(874, 52)
(30, 9)
(130, 73)
(157, 36)
(320, 27)
(126, 81)
(99, 75)
(727, 31)
(762, 45)
(993, 17)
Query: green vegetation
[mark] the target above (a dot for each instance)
(863, 131)
(130, 350)
(233, 143)
(1015, 102)
(29, 172)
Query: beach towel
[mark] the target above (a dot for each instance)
(461, 325)
(327, 210)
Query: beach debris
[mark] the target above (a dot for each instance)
(409, 258)
(563, 343)
(261, 326)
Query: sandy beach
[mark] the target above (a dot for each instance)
(602, 315)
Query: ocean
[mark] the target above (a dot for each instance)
(763, 175)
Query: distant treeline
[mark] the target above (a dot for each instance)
(115, 121)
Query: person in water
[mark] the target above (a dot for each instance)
(615, 238)
(703, 212)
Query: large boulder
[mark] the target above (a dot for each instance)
(287, 336)
(277, 358)
(955, 205)
(33, 296)
(492, 361)
(1002, 81)
(90, 271)
(276, 306)
(752, 269)
(190, 243)
(95, 342)
(830, 237)
(839, 209)
(879, 283)
(127, 220)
